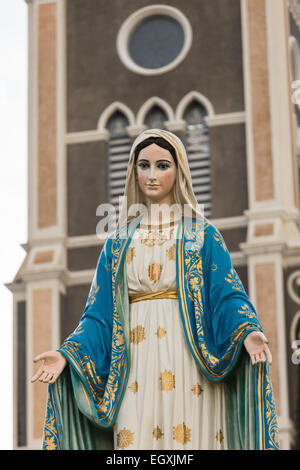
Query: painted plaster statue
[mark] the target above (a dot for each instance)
(169, 352)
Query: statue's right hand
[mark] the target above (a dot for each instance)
(53, 365)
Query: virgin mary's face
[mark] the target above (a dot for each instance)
(156, 174)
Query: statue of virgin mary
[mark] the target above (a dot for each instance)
(158, 360)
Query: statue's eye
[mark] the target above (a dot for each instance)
(164, 166)
(143, 165)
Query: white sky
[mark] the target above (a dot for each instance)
(13, 185)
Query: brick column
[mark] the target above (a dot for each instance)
(272, 179)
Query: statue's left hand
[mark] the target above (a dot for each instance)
(256, 345)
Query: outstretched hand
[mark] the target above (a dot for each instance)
(256, 345)
(53, 365)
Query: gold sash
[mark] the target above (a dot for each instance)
(161, 294)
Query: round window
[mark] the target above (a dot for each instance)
(154, 39)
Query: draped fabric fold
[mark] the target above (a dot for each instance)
(216, 316)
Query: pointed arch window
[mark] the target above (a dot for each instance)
(118, 154)
(198, 150)
(156, 117)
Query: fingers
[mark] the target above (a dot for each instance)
(39, 357)
(41, 375)
(262, 356)
(37, 375)
(256, 358)
(45, 376)
(268, 354)
(53, 379)
(50, 370)
(263, 337)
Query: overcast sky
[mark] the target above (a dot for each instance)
(13, 184)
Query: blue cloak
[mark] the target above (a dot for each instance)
(216, 315)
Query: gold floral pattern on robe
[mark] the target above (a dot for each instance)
(160, 332)
(182, 433)
(234, 280)
(157, 433)
(245, 310)
(134, 387)
(156, 237)
(137, 334)
(219, 436)
(167, 380)
(125, 438)
(130, 253)
(197, 389)
(154, 271)
(171, 252)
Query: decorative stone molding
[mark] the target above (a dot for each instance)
(134, 131)
(178, 125)
(188, 98)
(109, 111)
(285, 237)
(86, 136)
(154, 100)
(230, 222)
(175, 122)
(226, 119)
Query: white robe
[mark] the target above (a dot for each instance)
(168, 403)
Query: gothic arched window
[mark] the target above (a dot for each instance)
(198, 150)
(118, 153)
(156, 118)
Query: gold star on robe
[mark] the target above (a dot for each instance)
(130, 253)
(219, 436)
(154, 271)
(171, 252)
(157, 433)
(197, 389)
(182, 433)
(167, 380)
(160, 332)
(125, 438)
(137, 334)
(134, 387)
